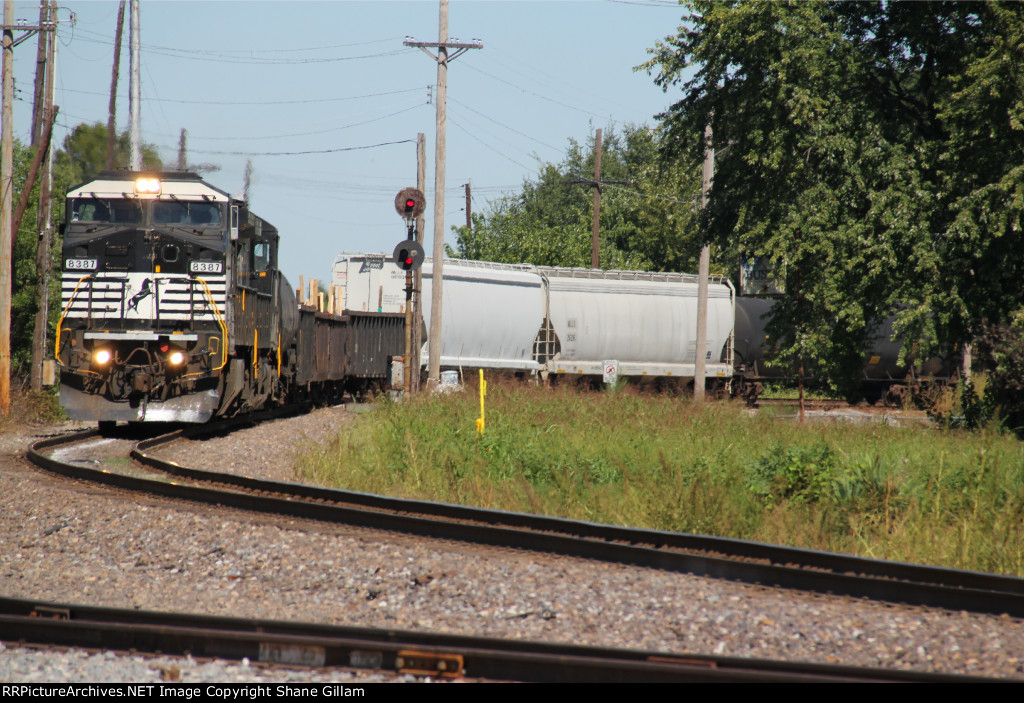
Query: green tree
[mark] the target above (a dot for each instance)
(875, 148)
(85, 152)
(646, 223)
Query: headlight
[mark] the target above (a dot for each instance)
(102, 356)
(176, 358)
(149, 186)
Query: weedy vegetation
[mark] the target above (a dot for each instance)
(910, 493)
(32, 406)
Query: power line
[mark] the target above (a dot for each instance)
(306, 134)
(511, 129)
(205, 55)
(498, 139)
(258, 102)
(301, 153)
(552, 82)
(388, 40)
(499, 153)
(535, 94)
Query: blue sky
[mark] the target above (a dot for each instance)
(267, 80)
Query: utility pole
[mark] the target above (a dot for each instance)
(112, 106)
(6, 201)
(595, 240)
(417, 332)
(7, 192)
(45, 209)
(701, 350)
(40, 85)
(135, 93)
(595, 259)
(437, 274)
(469, 209)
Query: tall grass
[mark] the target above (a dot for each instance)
(906, 493)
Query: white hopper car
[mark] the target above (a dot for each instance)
(550, 320)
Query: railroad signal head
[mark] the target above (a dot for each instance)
(408, 255)
(410, 203)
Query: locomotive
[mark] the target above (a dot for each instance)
(173, 309)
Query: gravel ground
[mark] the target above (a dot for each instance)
(66, 542)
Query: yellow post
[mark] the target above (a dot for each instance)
(483, 393)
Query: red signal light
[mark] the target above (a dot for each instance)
(409, 203)
(408, 255)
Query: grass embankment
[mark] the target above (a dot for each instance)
(903, 493)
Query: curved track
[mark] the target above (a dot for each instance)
(739, 560)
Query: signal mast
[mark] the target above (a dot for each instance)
(408, 256)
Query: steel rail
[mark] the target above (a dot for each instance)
(737, 560)
(406, 652)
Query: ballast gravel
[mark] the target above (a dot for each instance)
(64, 541)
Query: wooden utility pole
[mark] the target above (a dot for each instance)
(7, 230)
(6, 202)
(48, 40)
(595, 257)
(417, 332)
(40, 85)
(595, 240)
(135, 92)
(437, 274)
(112, 106)
(469, 209)
(421, 184)
(701, 349)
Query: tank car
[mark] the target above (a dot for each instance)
(173, 308)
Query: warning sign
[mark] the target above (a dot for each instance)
(611, 372)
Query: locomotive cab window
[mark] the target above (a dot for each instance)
(109, 210)
(184, 212)
(261, 256)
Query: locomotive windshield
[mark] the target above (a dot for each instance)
(185, 212)
(111, 210)
(125, 211)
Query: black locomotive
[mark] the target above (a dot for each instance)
(173, 309)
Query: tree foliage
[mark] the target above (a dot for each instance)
(84, 153)
(876, 148)
(646, 223)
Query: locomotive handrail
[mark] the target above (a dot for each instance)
(220, 321)
(63, 314)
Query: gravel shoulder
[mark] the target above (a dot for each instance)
(68, 542)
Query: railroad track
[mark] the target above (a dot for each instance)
(738, 560)
(402, 652)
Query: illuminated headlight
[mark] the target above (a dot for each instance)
(102, 357)
(147, 186)
(176, 358)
